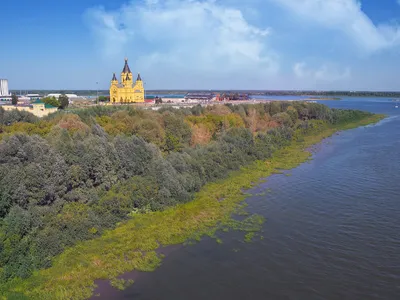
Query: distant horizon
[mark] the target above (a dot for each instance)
(260, 93)
(219, 90)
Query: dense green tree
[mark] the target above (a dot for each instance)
(14, 99)
(274, 107)
(292, 112)
(178, 132)
(51, 101)
(104, 98)
(283, 119)
(13, 116)
(151, 131)
(64, 102)
(35, 173)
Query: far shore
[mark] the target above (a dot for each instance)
(179, 102)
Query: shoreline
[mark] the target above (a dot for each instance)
(133, 245)
(105, 290)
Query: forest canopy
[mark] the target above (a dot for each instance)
(70, 176)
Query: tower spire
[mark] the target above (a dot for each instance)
(126, 68)
(138, 77)
(114, 77)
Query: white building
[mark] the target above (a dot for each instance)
(54, 95)
(4, 87)
(24, 99)
(70, 96)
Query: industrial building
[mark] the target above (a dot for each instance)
(4, 88)
(70, 96)
(201, 96)
(33, 96)
(5, 95)
(232, 97)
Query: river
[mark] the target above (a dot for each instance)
(332, 229)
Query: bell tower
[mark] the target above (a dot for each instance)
(114, 89)
(114, 80)
(125, 71)
(128, 80)
(139, 90)
(139, 82)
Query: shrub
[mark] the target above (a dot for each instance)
(70, 176)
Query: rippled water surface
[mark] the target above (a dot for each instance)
(332, 229)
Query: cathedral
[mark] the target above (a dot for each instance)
(127, 91)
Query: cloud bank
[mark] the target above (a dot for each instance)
(347, 17)
(186, 36)
(327, 73)
(230, 44)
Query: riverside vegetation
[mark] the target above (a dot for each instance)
(92, 194)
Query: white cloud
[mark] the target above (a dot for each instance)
(299, 70)
(227, 43)
(346, 16)
(185, 35)
(326, 72)
(107, 26)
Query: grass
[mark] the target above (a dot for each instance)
(132, 245)
(249, 237)
(121, 284)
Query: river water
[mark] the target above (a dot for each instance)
(332, 229)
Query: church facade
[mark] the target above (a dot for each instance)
(126, 91)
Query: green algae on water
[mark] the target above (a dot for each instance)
(249, 237)
(121, 284)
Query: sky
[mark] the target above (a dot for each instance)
(202, 44)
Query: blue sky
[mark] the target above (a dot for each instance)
(196, 44)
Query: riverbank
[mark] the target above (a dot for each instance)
(133, 245)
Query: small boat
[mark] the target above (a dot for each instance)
(396, 106)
